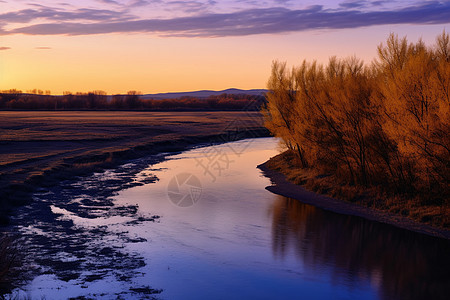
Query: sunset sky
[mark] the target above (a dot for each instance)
(167, 46)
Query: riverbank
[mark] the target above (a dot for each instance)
(41, 149)
(290, 181)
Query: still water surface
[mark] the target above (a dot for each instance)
(236, 240)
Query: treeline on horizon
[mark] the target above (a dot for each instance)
(385, 124)
(99, 100)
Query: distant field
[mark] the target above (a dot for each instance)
(28, 136)
(33, 142)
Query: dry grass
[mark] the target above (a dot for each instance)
(377, 197)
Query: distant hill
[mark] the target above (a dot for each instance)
(203, 94)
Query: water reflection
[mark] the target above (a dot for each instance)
(114, 234)
(398, 263)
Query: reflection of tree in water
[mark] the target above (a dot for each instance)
(403, 264)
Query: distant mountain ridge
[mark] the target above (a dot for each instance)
(204, 94)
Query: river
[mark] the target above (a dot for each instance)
(200, 225)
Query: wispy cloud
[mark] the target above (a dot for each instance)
(379, 2)
(53, 14)
(138, 3)
(43, 48)
(5, 48)
(189, 6)
(353, 4)
(240, 23)
(113, 2)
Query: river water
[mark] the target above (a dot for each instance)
(200, 225)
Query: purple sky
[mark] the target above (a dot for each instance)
(210, 18)
(164, 46)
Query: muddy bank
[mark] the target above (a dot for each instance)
(69, 233)
(41, 149)
(281, 186)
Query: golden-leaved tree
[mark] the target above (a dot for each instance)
(414, 88)
(384, 124)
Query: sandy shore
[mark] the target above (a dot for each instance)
(281, 186)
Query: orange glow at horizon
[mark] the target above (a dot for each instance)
(117, 63)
